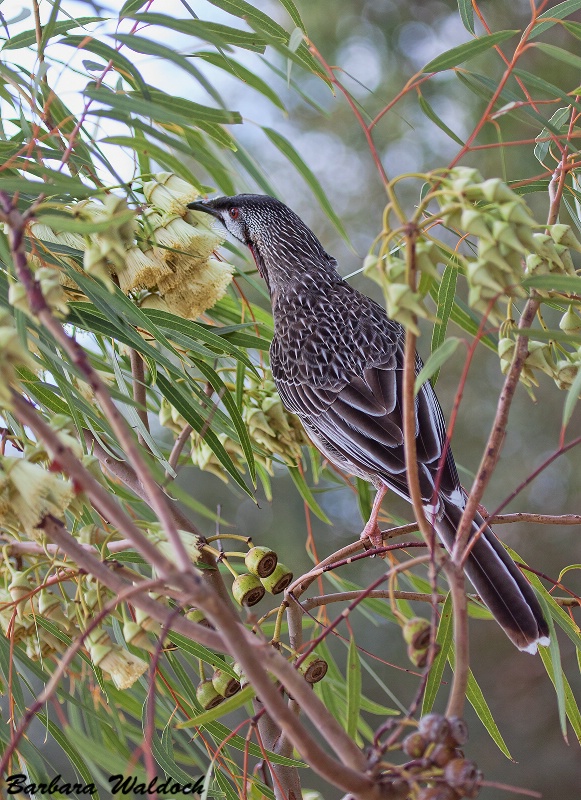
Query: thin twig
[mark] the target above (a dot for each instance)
(139, 391)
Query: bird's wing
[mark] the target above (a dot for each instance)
(358, 421)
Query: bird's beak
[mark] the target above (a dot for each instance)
(203, 205)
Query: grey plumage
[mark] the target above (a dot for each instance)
(337, 361)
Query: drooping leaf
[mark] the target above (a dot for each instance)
(463, 52)
(353, 688)
(467, 15)
(554, 13)
(431, 115)
(28, 38)
(444, 639)
(306, 494)
(435, 361)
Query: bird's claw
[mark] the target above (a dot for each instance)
(373, 534)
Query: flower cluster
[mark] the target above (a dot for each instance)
(28, 492)
(552, 358)
(13, 354)
(164, 257)
(503, 225)
(402, 303)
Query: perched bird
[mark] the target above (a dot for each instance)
(337, 361)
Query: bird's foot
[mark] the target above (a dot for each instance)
(372, 532)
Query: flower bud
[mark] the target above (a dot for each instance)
(278, 580)
(261, 561)
(570, 321)
(563, 234)
(248, 590)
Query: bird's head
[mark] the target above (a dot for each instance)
(284, 249)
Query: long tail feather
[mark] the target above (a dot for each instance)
(498, 581)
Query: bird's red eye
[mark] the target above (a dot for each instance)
(234, 213)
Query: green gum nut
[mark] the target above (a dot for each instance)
(416, 633)
(248, 590)
(261, 561)
(207, 695)
(195, 615)
(225, 684)
(278, 581)
(313, 668)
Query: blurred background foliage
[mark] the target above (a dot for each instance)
(377, 45)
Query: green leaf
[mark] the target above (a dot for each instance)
(230, 404)
(431, 114)
(122, 64)
(463, 52)
(231, 704)
(293, 13)
(571, 707)
(66, 222)
(435, 361)
(158, 154)
(556, 12)
(28, 38)
(64, 740)
(353, 688)
(162, 108)
(242, 73)
(444, 639)
(560, 116)
(184, 405)
(364, 497)
(306, 494)
(212, 32)
(558, 53)
(201, 652)
(479, 704)
(557, 670)
(467, 15)
(571, 399)
(569, 284)
(49, 183)
(446, 294)
(289, 151)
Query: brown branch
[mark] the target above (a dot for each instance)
(139, 391)
(540, 519)
(179, 444)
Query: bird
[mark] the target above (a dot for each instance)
(337, 362)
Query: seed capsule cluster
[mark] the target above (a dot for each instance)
(265, 574)
(438, 762)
